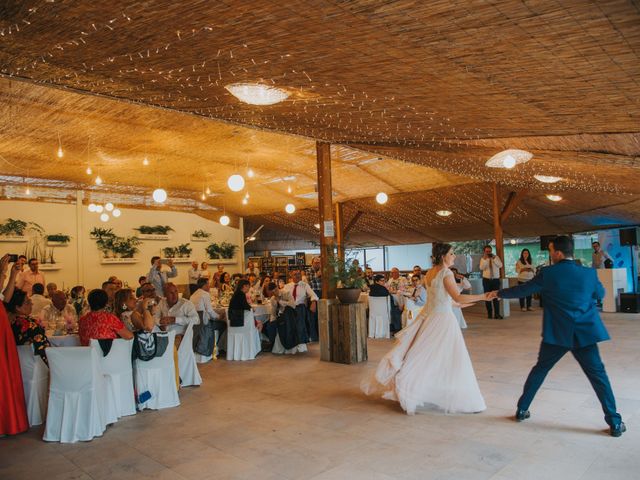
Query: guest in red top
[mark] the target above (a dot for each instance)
(99, 324)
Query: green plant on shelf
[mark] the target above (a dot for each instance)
(154, 230)
(13, 228)
(200, 234)
(59, 237)
(125, 247)
(102, 232)
(169, 252)
(224, 250)
(183, 250)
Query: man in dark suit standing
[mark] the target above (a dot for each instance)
(571, 323)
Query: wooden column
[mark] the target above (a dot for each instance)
(325, 210)
(340, 233)
(497, 226)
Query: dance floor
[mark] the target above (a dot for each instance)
(299, 418)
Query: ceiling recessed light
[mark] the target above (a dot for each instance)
(444, 213)
(547, 178)
(257, 94)
(509, 158)
(554, 198)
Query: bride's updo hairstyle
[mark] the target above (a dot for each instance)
(439, 251)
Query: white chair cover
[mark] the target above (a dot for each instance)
(410, 312)
(118, 375)
(76, 395)
(158, 377)
(243, 343)
(189, 374)
(35, 381)
(379, 317)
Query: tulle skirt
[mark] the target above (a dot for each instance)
(429, 366)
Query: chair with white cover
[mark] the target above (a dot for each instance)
(379, 317)
(158, 377)
(189, 374)
(35, 381)
(410, 312)
(243, 343)
(118, 375)
(76, 395)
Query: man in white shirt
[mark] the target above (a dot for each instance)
(300, 292)
(490, 266)
(176, 313)
(28, 278)
(59, 318)
(194, 276)
(201, 300)
(38, 300)
(599, 256)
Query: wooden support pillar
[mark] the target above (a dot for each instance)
(325, 209)
(339, 216)
(497, 226)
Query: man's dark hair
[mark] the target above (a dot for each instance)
(97, 299)
(140, 279)
(202, 282)
(564, 244)
(17, 299)
(271, 287)
(595, 242)
(241, 283)
(32, 259)
(37, 289)
(154, 258)
(22, 256)
(487, 246)
(106, 284)
(378, 277)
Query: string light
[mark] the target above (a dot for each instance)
(250, 173)
(60, 153)
(108, 207)
(99, 209)
(92, 207)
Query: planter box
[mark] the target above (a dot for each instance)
(57, 244)
(180, 259)
(116, 261)
(199, 239)
(47, 267)
(152, 236)
(222, 261)
(12, 238)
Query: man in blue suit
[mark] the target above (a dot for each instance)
(571, 323)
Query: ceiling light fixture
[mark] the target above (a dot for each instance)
(98, 180)
(89, 171)
(317, 225)
(547, 178)
(108, 207)
(99, 209)
(444, 213)
(251, 173)
(104, 217)
(235, 182)
(509, 158)
(257, 94)
(92, 207)
(145, 161)
(554, 198)
(60, 153)
(245, 201)
(289, 208)
(224, 220)
(382, 198)
(159, 195)
(116, 212)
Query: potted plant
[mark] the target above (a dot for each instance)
(169, 252)
(13, 228)
(154, 230)
(58, 238)
(224, 250)
(183, 250)
(200, 235)
(347, 279)
(126, 247)
(101, 232)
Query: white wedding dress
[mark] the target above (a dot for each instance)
(429, 365)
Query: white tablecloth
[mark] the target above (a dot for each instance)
(64, 341)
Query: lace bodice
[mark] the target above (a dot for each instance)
(438, 299)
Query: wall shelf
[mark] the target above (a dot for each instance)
(180, 259)
(199, 239)
(222, 261)
(48, 267)
(152, 236)
(57, 244)
(117, 261)
(13, 238)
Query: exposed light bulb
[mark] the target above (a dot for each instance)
(235, 182)
(317, 225)
(444, 213)
(108, 207)
(89, 171)
(224, 220)
(98, 180)
(92, 207)
(245, 201)
(145, 162)
(290, 208)
(246, 195)
(104, 217)
(60, 153)
(288, 188)
(382, 198)
(27, 191)
(203, 197)
(547, 178)
(251, 173)
(512, 241)
(208, 191)
(99, 208)
(554, 198)
(159, 195)
(116, 212)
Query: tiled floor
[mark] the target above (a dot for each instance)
(299, 418)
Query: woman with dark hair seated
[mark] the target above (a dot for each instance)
(99, 324)
(239, 304)
(26, 329)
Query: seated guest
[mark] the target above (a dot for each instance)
(141, 281)
(252, 268)
(193, 275)
(51, 287)
(78, 300)
(110, 289)
(416, 272)
(98, 323)
(239, 298)
(137, 317)
(378, 288)
(26, 329)
(116, 281)
(419, 293)
(225, 283)
(201, 300)
(396, 283)
(38, 300)
(255, 289)
(266, 281)
(149, 292)
(176, 313)
(59, 318)
(368, 277)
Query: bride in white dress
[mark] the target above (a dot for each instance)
(429, 365)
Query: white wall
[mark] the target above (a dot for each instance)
(80, 260)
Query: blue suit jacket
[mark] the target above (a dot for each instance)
(569, 293)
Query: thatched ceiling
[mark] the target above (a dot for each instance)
(440, 85)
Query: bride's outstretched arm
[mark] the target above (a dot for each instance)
(452, 290)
